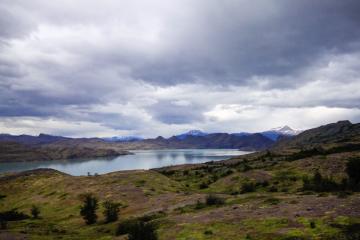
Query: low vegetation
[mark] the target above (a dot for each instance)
(35, 211)
(88, 210)
(307, 193)
(111, 211)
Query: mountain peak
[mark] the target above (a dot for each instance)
(282, 128)
(286, 128)
(123, 139)
(274, 133)
(196, 133)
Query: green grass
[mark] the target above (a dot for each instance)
(175, 192)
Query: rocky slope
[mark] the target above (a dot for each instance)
(341, 134)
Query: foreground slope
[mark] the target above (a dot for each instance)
(262, 196)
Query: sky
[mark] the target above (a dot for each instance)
(86, 68)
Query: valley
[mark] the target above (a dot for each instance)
(271, 194)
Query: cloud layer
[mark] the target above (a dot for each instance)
(90, 68)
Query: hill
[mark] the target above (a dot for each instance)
(339, 136)
(252, 142)
(281, 193)
(47, 147)
(61, 150)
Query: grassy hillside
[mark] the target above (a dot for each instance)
(284, 195)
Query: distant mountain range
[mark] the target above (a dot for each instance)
(123, 139)
(272, 134)
(48, 147)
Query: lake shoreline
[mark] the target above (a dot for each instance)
(136, 160)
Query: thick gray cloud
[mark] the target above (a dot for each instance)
(135, 67)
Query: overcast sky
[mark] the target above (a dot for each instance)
(159, 67)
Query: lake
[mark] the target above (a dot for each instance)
(141, 159)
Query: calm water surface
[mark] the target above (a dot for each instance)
(142, 159)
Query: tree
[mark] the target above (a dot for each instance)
(88, 210)
(353, 171)
(35, 211)
(111, 211)
(142, 231)
(214, 200)
(317, 178)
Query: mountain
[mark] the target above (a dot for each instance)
(307, 194)
(252, 142)
(123, 139)
(17, 152)
(191, 133)
(241, 134)
(275, 133)
(340, 134)
(46, 147)
(31, 140)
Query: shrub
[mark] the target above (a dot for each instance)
(13, 215)
(214, 200)
(273, 189)
(203, 185)
(312, 224)
(125, 226)
(272, 201)
(142, 231)
(353, 171)
(265, 183)
(318, 183)
(352, 231)
(88, 210)
(248, 187)
(246, 168)
(200, 205)
(137, 229)
(111, 211)
(3, 224)
(35, 211)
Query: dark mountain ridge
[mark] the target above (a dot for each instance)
(342, 133)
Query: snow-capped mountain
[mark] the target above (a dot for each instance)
(191, 133)
(275, 133)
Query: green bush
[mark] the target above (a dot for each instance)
(273, 189)
(88, 210)
(212, 199)
(13, 215)
(3, 224)
(203, 185)
(318, 183)
(35, 211)
(137, 229)
(248, 187)
(272, 201)
(200, 205)
(111, 211)
(353, 171)
(312, 224)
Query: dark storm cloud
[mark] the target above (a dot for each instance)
(222, 48)
(66, 59)
(227, 41)
(173, 113)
